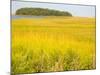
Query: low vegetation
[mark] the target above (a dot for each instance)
(52, 44)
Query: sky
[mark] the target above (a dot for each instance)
(75, 10)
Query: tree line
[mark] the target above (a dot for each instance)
(41, 12)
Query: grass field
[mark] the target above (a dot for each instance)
(53, 44)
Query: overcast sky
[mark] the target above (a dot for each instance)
(76, 10)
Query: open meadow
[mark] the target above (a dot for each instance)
(52, 44)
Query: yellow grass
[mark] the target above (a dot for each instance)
(53, 44)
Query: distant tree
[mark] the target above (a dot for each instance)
(41, 12)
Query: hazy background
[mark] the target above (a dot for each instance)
(76, 10)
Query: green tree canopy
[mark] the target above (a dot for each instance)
(41, 12)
